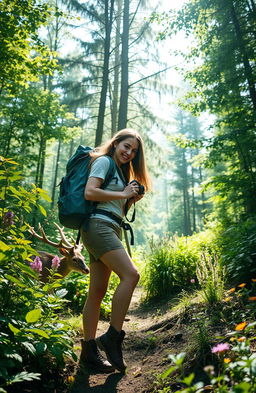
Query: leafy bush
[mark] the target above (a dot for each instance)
(238, 245)
(33, 338)
(168, 268)
(171, 263)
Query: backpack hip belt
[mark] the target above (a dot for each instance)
(118, 220)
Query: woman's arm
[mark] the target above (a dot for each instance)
(93, 192)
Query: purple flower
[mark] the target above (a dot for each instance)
(55, 262)
(36, 264)
(8, 219)
(222, 347)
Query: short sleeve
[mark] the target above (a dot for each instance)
(100, 167)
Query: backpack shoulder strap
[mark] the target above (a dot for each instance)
(111, 172)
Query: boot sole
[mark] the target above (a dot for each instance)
(94, 368)
(102, 347)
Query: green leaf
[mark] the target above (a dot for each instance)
(13, 328)
(4, 247)
(30, 347)
(41, 348)
(15, 280)
(34, 315)
(27, 269)
(62, 292)
(40, 332)
(189, 379)
(23, 376)
(168, 372)
(15, 356)
(42, 210)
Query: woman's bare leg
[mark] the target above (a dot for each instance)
(99, 277)
(120, 262)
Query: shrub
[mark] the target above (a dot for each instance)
(33, 338)
(238, 244)
(171, 263)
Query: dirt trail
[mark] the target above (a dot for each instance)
(150, 336)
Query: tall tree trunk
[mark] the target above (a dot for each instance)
(193, 199)
(203, 198)
(186, 202)
(114, 110)
(38, 164)
(247, 66)
(104, 87)
(55, 174)
(42, 162)
(123, 105)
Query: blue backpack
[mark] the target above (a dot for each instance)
(74, 210)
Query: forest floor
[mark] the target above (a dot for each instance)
(152, 333)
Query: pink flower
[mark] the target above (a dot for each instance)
(36, 264)
(55, 262)
(222, 347)
(192, 281)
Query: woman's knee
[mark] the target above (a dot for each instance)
(132, 277)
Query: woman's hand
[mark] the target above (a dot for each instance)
(134, 199)
(131, 191)
(137, 197)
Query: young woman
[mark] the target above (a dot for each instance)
(106, 251)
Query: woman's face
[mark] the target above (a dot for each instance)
(125, 150)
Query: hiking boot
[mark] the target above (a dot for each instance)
(111, 343)
(91, 357)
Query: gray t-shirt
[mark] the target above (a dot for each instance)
(99, 169)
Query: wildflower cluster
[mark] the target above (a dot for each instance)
(8, 219)
(55, 262)
(36, 264)
(235, 355)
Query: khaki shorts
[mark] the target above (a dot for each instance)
(102, 236)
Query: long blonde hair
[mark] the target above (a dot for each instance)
(134, 169)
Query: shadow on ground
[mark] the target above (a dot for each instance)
(84, 382)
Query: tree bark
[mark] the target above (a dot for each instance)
(186, 203)
(41, 162)
(247, 66)
(123, 105)
(114, 109)
(105, 77)
(55, 174)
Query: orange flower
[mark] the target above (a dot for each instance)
(227, 360)
(231, 290)
(70, 379)
(252, 298)
(253, 279)
(242, 285)
(241, 339)
(241, 326)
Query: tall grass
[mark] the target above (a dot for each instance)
(210, 276)
(172, 263)
(170, 266)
